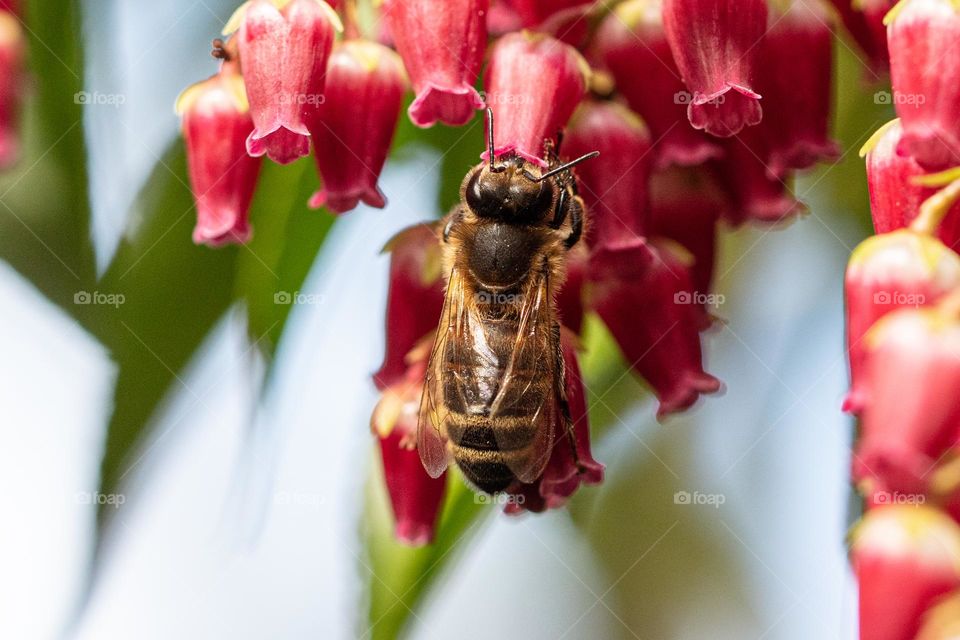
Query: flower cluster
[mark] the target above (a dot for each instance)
(701, 110)
(903, 331)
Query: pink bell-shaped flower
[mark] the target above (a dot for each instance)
(216, 124)
(656, 324)
(442, 46)
(910, 410)
(797, 89)
(887, 272)
(533, 84)
(631, 37)
(284, 46)
(905, 558)
(715, 43)
(924, 67)
(354, 127)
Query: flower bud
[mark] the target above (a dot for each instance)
(631, 37)
(414, 298)
(910, 410)
(571, 463)
(12, 48)
(714, 44)
(895, 198)
(216, 123)
(614, 185)
(284, 46)
(887, 272)
(442, 46)
(655, 322)
(797, 88)
(533, 84)
(924, 74)
(354, 126)
(905, 557)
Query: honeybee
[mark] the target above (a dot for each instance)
(494, 387)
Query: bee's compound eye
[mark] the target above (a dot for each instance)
(482, 197)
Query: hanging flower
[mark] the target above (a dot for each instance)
(656, 323)
(631, 37)
(354, 126)
(13, 44)
(714, 43)
(888, 272)
(905, 558)
(864, 20)
(284, 46)
(533, 84)
(442, 46)
(216, 124)
(924, 67)
(797, 89)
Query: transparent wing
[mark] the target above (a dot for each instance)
(527, 397)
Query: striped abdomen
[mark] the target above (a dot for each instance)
(493, 419)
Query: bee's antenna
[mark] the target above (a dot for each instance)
(490, 158)
(565, 167)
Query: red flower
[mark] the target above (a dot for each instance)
(566, 20)
(615, 185)
(924, 40)
(887, 272)
(632, 38)
(686, 205)
(534, 12)
(656, 324)
(894, 197)
(714, 43)
(566, 470)
(216, 123)
(864, 21)
(910, 411)
(442, 46)
(533, 84)
(353, 129)
(416, 498)
(413, 306)
(905, 558)
(570, 296)
(284, 46)
(12, 47)
(414, 300)
(797, 88)
(746, 178)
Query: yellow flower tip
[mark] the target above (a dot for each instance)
(386, 413)
(920, 531)
(939, 179)
(894, 12)
(188, 97)
(870, 144)
(233, 24)
(634, 12)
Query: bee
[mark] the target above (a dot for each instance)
(494, 388)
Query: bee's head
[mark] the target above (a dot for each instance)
(509, 191)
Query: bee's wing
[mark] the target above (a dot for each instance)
(431, 442)
(530, 383)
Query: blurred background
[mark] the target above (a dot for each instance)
(181, 456)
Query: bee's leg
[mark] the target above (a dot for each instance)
(455, 217)
(576, 222)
